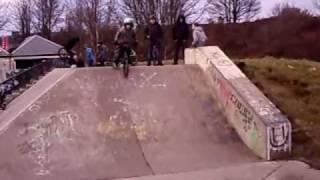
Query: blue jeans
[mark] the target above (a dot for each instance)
(90, 63)
(154, 53)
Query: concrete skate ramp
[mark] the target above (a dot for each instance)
(94, 124)
(258, 122)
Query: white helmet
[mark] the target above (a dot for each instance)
(128, 21)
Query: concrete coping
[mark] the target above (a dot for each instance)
(247, 109)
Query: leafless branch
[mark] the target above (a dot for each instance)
(282, 9)
(47, 14)
(22, 16)
(90, 16)
(3, 18)
(166, 11)
(234, 10)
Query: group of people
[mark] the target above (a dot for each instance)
(102, 55)
(125, 41)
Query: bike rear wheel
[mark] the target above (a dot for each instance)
(63, 54)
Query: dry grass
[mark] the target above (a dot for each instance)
(294, 86)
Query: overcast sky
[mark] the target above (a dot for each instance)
(267, 5)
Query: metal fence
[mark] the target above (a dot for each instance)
(21, 80)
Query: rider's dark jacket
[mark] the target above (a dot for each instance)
(126, 37)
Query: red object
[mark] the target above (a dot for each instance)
(5, 42)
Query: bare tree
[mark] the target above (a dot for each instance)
(91, 16)
(278, 8)
(283, 9)
(166, 11)
(3, 18)
(234, 10)
(47, 14)
(22, 13)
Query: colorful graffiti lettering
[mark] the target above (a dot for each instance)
(223, 90)
(247, 115)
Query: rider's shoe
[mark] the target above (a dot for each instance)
(115, 65)
(133, 64)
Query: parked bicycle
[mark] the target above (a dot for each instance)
(66, 53)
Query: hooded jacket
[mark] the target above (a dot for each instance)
(89, 54)
(199, 36)
(181, 30)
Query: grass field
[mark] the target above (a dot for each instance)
(294, 86)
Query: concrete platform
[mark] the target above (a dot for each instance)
(94, 124)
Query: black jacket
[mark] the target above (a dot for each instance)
(180, 30)
(155, 32)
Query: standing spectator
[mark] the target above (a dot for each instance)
(102, 56)
(199, 36)
(154, 36)
(89, 56)
(180, 36)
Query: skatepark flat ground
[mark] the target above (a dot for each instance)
(95, 125)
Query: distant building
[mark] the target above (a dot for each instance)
(33, 50)
(5, 43)
(4, 53)
(6, 63)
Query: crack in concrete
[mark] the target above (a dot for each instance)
(144, 155)
(272, 172)
(142, 151)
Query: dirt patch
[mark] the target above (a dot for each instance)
(294, 86)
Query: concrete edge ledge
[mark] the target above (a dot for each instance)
(24, 101)
(260, 125)
(253, 171)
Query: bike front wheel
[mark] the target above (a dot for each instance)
(126, 67)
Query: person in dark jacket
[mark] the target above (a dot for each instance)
(102, 55)
(180, 35)
(154, 36)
